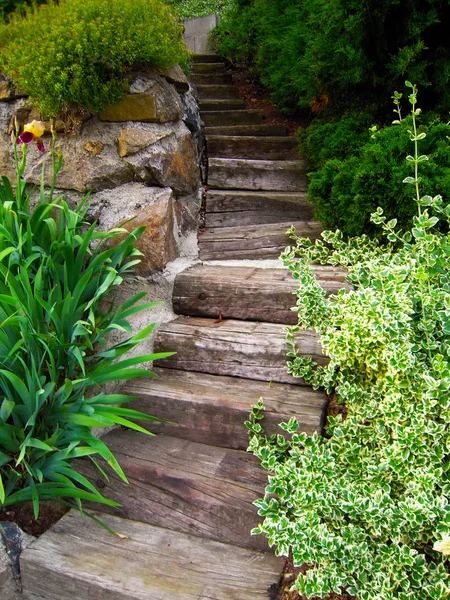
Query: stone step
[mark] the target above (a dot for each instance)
(189, 487)
(206, 58)
(212, 409)
(232, 117)
(264, 129)
(245, 349)
(78, 559)
(215, 105)
(247, 293)
(267, 175)
(203, 68)
(252, 241)
(253, 147)
(217, 91)
(211, 78)
(230, 208)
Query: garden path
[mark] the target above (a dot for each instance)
(187, 513)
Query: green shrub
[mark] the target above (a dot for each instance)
(8, 6)
(55, 271)
(188, 9)
(346, 189)
(339, 53)
(78, 53)
(367, 506)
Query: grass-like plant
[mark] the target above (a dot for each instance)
(55, 271)
(367, 506)
(70, 53)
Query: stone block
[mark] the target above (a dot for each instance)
(176, 77)
(151, 99)
(133, 205)
(133, 139)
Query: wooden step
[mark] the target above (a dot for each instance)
(236, 348)
(203, 68)
(264, 129)
(78, 559)
(268, 175)
(212, 409)
(206, 58)
(252, 241)
(230, 208)
(217, 91)
(232, 117)
(246, 293)
(185, 486)
(227, 104)
(253, 147)
(211, 78)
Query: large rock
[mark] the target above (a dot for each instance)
(176, 77)
(133, 205)
(171, 162)
(151, 99)
(12, 543)
(6, 158)
(90, 159)
(133, 139)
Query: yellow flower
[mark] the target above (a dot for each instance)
(37, 128)
(443, 545)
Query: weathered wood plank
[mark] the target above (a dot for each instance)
(77, 559)
(234, 208)
(211, 78)
(185, 486)
(238, 348)
(206, 68)
(221, 104)
(210, 409)
(232, 117)
(217, 91)
(263, 129)
(246, 293)
(268, 175)
(252, 241)
(253, 147)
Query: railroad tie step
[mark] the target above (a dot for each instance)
(245, 293)
(207, 68)
(237, 208)
(253, 241)
(186, 486)
(253, 147)
(247, 349)
(232, 117)
(206, 58)
(78, 559)
(267, 175)
(222, 78)
(221, 105)
(208, 92)
(212, 409)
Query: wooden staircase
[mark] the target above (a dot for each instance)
(188, 512)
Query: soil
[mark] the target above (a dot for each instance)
(23, 516)
(257, 97)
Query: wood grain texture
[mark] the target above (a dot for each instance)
(234, 208)
(217, 91)
(252, 147)
(219, 104)
(232, 117)
(79, 560)
(185, 486)
(264, 129)
(246, 293)
(252, 241)
(268, 175)
(211, 409)
(238, 348)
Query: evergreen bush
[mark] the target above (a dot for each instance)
(366, 506)
(75, 53)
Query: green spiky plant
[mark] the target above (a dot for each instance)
(54, 273)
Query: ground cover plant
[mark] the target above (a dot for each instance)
(189, 9)
(55, 272)
(75, 53)
(367, 505)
